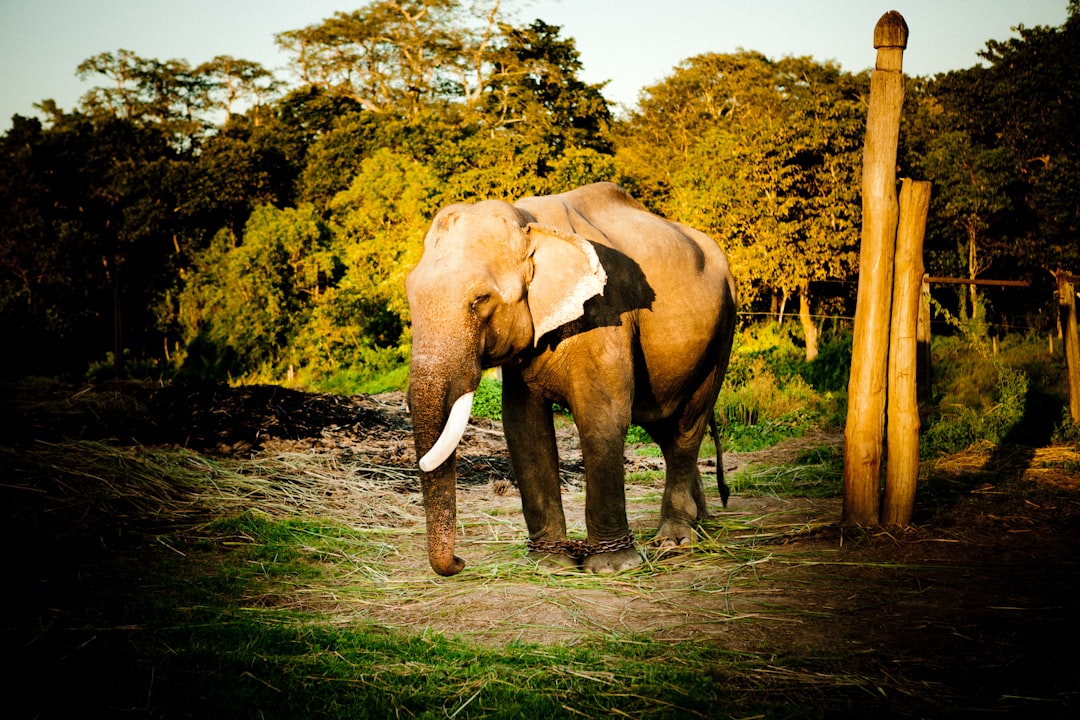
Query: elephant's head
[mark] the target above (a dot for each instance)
(491, 282)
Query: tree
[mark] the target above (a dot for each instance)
(168, 94)
(359, 322)
(535, 91)
(765, 163)
(244, 302)
(395, 55)
(91, 249)
(1001, 143)
(233, 80)
(974, 183)
(42, 299)
(703, 93)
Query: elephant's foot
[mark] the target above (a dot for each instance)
(612, 562)
(554, 560)
(673, 535)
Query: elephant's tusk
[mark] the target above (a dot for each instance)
(451, 434)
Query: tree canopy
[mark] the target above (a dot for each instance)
(212, 220)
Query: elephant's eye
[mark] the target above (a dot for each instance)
(483, 305)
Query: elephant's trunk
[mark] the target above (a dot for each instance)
(440, 504)
(437, 429)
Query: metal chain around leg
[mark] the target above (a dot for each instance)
(578, 549)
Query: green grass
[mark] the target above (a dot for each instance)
(815, 481)
(199, 636)
(360, 674)
(771, 393)
(168, 584)
(234, 666)
(816, 473)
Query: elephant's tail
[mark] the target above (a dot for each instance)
(725, 493)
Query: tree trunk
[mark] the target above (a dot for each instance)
(902, 470)
(864, 432)
(118, 326)
(924, 373)
(810, 331)
(1067, 306)
(973, 271)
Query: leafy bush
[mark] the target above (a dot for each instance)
(979, 396)
(772, 393)
(637, 435)
(487, 401)
(134, 368)
(1067, 430)
(364, 380)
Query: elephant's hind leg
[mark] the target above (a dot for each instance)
(684, 503)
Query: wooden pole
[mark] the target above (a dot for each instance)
(1067, 308)
(979, 281)
(902, 437)
(864, 432)
(925, 372)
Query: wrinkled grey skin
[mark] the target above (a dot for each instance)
(588, 300)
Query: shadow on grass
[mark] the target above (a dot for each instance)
(1007, 461)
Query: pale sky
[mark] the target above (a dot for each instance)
(630, 43)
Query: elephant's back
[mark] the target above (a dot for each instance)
(677, 260)
(691, 319)
(685, 270)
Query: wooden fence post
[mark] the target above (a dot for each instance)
(864, 432)
(902, 436)
(925, 371)
(1067, 308)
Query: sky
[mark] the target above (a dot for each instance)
(630, 44)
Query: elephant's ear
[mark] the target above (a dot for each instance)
(566, 273)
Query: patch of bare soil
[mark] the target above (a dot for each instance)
(971, 611)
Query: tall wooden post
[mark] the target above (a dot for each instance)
(1067, 307)
(925, 372)
(864, 433)
(902, 437)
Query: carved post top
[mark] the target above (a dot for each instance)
(891, 31)
(890, 39)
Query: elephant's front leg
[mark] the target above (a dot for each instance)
(603, 436)
(530, 438)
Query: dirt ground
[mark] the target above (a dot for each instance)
(972, 611)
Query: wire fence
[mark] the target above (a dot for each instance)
(991, 327)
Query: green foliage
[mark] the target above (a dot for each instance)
(356, 326)
(535, 90)
(980, 397)
(1001, 178)
(245, 301)
(768, 393)
(487, 402)
(136, 368)
(272, 242)
(771, 177)
(637, 435)
(1067, 430)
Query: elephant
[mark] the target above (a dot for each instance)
(588, 300)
